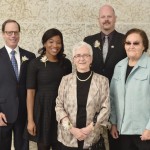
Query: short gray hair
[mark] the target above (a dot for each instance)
(79, 45)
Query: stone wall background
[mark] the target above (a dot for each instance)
(75, 18)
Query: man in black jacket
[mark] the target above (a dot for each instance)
(13, 69)
(116, 52)
(106, 57)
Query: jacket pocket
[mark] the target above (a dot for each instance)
(141, 77)
(2, 100)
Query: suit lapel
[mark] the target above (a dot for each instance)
(73, 93)
(92, 91)
(99, 39)
(123, 84)
(21, 63)
(7, 62)
(141, 63)
(123, 73)
(111, 46)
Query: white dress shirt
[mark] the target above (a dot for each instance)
(17, 56)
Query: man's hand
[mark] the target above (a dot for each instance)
(145, 135)
(114, 132)
(3, 120)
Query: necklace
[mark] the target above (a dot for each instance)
(86, 78)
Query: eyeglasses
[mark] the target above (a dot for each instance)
(9, 33)
(84, 56)
(134, 43)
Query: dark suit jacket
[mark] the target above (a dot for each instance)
(13, 92)
(116, 52)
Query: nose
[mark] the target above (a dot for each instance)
(55, 44)
(13, 34)
(82, 57)
(132, 45)
(107, 18)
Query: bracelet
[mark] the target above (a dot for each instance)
(67, 125)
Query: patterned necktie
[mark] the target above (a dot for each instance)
(105, 48)
(14, 63)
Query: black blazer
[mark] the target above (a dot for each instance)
(13, 92)
(116, 52)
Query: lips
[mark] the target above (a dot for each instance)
(107, 23)
(54, 50)
(82, 63)
(13, 40)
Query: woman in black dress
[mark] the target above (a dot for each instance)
(43, 78)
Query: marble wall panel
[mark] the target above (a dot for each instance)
(25, 10)
(130, 11)
(31, 35)
(75, 11)
(75, 18)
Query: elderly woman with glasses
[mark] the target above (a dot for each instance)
(81, 94)
(130, 94)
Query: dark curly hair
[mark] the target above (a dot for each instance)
(142, 34)
(46, 36)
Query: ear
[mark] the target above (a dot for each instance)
(73, 61)
(3, 34)
(115, 19)
(44, 45)
(91, 60)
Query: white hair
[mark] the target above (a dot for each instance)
(81, 44)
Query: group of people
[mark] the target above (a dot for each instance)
(43, 101)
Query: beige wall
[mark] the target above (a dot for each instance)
(75, 18)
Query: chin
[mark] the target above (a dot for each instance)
(83, 69)
(107, 28)
(54, 54)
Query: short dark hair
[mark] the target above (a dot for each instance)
(142, 34)
(9, 21)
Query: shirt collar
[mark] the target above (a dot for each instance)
(110, 35)
(10, 49)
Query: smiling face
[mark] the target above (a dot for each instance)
(11, 34)
(53, 47)
(134, 46)
(107, 19)
(82, 59)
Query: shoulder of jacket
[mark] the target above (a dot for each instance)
(26, 51)
(122, 62)
(100, 77)
(92, 36)
(69, 76)
(1, 50)
(119, 33)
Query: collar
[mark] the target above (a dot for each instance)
(110, 35)
(142, 62)
(10, 49)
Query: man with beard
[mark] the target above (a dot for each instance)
(108, 50)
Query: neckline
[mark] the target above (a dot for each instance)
(83, 80)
